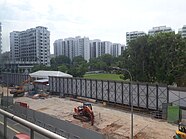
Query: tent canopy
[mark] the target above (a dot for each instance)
(45, 74)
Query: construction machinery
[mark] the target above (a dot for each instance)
(19, 91)
(181, 132)
(84, 113)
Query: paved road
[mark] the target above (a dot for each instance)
(14, 128)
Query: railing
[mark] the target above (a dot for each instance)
(33, 128)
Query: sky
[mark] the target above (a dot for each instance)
(107, 20)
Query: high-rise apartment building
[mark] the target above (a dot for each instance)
(72, 47)
(95, 48)
(182, 31)
(133, 35)
(116, 49)
(106, 47)
(88, 49)
(123, 47)
(84, 48)
(14, 46)
(59, 48)
(159, 29)
(30, 46)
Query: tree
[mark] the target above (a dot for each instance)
(160, 58)
(79, 67)
(60, 60)
(78, 60)
(101, 63)
(63, 68)
(40, 67)
(135, 58)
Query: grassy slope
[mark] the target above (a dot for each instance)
(103, 76)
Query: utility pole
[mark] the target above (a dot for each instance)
(131, 98)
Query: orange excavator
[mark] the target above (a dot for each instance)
(84, 113)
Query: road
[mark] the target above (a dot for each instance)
(14, 128)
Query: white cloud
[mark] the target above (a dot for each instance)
(102, 19)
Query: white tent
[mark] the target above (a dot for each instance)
(45, 74)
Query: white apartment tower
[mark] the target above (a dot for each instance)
(88, 49)
(72, 47)
(59, 48)
(106, 47)
(95, 48)
(84, 48)
(31, 46)
(14, 46)
(99, 48)
(133, 35)
(116, 49)
(69, 47)
(159, 29)
(182, 31)
(0, 39)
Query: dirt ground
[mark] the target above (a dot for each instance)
(108, 120)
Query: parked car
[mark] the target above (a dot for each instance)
(21, 136)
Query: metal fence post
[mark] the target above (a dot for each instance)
(80, 80)
(72, 87)
(63, 86)
(60, 91)
(31, 133)
(157, 105)
(108, 91)
(138, 94)
(115, 92)
(167, 94)
(122, 93)
(147, 97)
(102, 90)
(5, 127)
(130, 94)
(96, 91)
(85, 87)
(67, 93)
(76, 87)
(90, 88)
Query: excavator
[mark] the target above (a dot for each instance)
(84, 113)
(181, 132)
(18, 91)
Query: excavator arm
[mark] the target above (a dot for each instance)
(89, 114)
(19, 90)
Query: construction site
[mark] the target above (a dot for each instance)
(111, 121)
(90, 108)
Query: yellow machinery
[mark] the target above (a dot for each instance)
(181, 132)
(19, 90)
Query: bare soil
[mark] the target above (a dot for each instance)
(110, 121)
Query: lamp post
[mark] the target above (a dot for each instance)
(131, 98)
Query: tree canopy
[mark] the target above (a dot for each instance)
(78, 67)
(160, 58)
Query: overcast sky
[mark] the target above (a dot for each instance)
(108, 20)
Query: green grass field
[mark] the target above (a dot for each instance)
(103, 76)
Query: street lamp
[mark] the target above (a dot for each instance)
(131, 98)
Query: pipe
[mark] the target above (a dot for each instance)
(32, 126)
